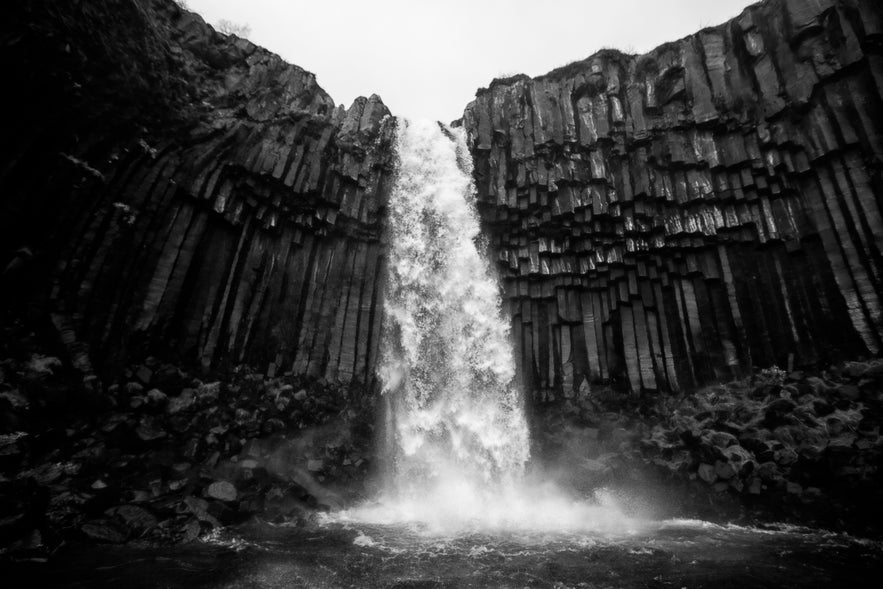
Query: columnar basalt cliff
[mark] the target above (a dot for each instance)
(169, 190)
(667, 220)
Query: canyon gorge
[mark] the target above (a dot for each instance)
(197, 245)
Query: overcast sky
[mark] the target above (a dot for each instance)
(426, 59)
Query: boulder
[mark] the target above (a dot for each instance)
(102, 531)
(222, 491)
(144, 374)
(156, 397)
(149, 430)
(707, 473)
(183, 402)
(208, 393)
(132, 517)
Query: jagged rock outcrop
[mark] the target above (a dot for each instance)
(676, 218)
(171, 190)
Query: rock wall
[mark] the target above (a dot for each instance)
(173, 191)
(666, 220)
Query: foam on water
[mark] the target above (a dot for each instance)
(458, 507)
(456, 428)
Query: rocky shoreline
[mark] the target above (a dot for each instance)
(801, 447)
(160, 455)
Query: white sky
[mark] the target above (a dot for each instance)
(427, 59)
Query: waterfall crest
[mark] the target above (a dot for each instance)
(447, 364)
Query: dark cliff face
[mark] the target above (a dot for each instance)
(169, 190)
(660, 221)
(671, 219)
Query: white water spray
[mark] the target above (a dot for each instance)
(457, 429)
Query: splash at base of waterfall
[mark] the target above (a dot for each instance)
(456, 506)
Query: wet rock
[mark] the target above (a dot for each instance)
(14, 399)
(843, 442)
(272, 425)
(222, 512)
(208, 393)
(722, 439)
(156, 397)
(222, 491)
(45, 474)
(249, 463)
(134, 388)
(617, 437)
(190, 531)
(707, 473)
(785, 456)
(769, 471)
(778, 412)
(849, 391)
(874, 371)
(200, 509)
(183, 402)
(43, 365)
(103, 531)
(755, 486)
(132, 517)
(144, 374)
(855, 369)
(724, 470)
(113, 422)
(243, 416)
(816, 385)
(149, 430)
(822, 408)
(12, 526)
(11, 445)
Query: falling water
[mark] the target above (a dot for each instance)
(447, 364)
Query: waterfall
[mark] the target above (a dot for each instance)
(455, 425)
(447, 364)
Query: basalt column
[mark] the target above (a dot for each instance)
(169, 190)
(671, 219)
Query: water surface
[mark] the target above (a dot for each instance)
(674, 553)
